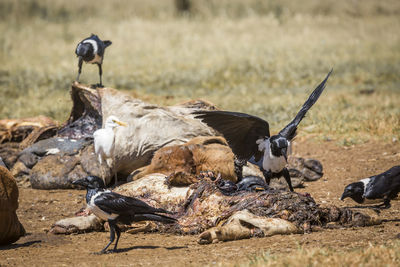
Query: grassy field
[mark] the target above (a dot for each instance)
(384, 255)
(260, 57)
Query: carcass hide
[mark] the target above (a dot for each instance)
(203, 209)
(17, 130)
(183, 163)
(55, 162)
(17, 134)
(150, 127)
(10, 227)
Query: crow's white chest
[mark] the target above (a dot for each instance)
(271, 162)
(366, 182)
(99, 212)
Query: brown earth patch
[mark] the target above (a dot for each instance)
(39, 209)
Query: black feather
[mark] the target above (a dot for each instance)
(384, 185)
(107, 43)
(239, 129)
(289, 132)
(111, 202)
(118, 208)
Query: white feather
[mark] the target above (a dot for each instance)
(365, 182)
(97, 211)
(261, 144)
(104, 141)
(94, 44)
(104, 144)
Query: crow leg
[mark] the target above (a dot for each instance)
(112, 225)
(79, 69)
(286, 175)
(118, 231)
(238, 164)
(384, 205)
(267, 176)
(100, 74)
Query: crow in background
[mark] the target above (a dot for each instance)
(91, 50)
(384, 186)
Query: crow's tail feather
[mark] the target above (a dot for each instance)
(159, 210)
(153, 217)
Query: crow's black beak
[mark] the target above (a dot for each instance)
(284, 152)
(81, 182)
(343, 196)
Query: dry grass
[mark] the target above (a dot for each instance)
(382, 255)
(260, 57)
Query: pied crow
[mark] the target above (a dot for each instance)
(91, 50)
(113, 208)
(249, 136)
(384, 186)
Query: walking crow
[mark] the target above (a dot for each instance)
(113, 208)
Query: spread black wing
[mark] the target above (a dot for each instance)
(111, 202)
(386, 184)
(239, 129)
(289, 132)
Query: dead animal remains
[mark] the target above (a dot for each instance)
(204, 209)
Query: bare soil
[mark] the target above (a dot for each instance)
(39, 209)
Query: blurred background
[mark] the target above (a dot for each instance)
(263, 57)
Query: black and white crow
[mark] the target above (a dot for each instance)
(384, 186)
(113, 207)
(249, 136)
(91, 50)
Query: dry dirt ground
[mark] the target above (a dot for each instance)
(342, 165)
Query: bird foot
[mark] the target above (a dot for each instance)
(97, 85)
(105, 252)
